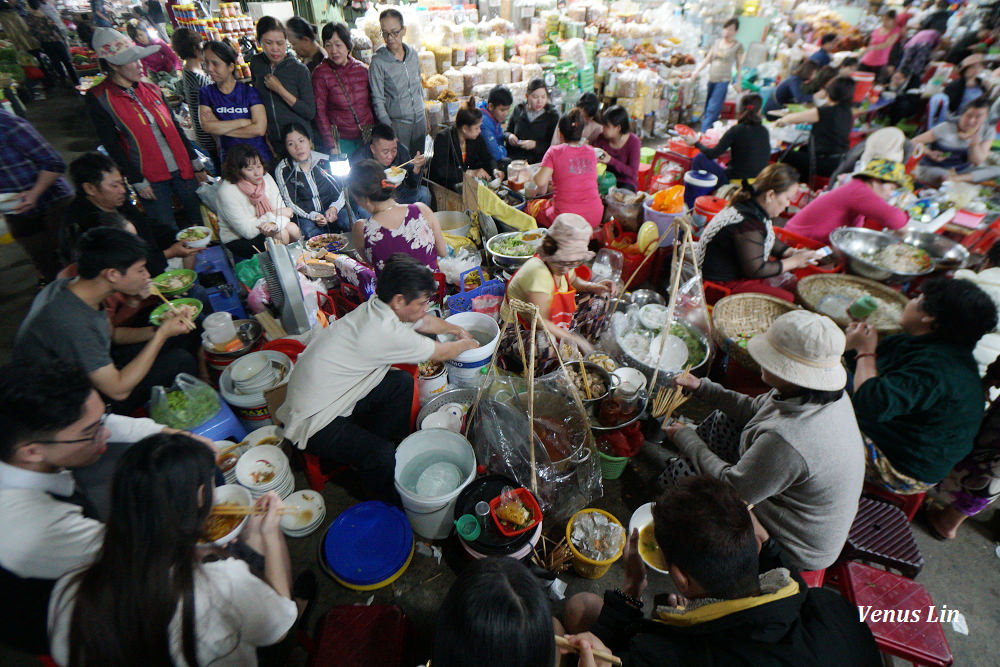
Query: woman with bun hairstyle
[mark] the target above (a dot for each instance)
(462, 149)
(412, 229)
(571, 168)
(748, 143)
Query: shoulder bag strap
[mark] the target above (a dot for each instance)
(350, 105)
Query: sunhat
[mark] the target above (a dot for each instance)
(118, 49)
(886, 170)
(572, 233)
(969, 61)
(802, 348)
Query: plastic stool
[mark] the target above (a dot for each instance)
(352, 635)
(910, 504)
(314, 470)
(224, 425)
(715, 291)
(881, 534)
(923, 642)
(814, 578)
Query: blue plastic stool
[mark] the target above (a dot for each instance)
(224, 425)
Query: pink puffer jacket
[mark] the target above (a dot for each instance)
(332, 104)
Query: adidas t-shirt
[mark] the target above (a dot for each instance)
(234, 106)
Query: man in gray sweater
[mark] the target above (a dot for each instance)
(795, 452)
(394, 81)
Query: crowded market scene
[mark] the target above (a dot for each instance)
(349, 333)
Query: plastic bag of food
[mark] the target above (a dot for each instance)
(567, 475)
(624, 206)
(463, 260)
(187, 403)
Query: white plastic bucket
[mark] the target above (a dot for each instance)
(432, 517)
(433, 385)
(464, 370)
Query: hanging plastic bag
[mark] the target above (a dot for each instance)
(463, 260)
(187, 403)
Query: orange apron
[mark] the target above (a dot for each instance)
(561, 308)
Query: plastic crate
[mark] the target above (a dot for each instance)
(462, 301)
(797, 241)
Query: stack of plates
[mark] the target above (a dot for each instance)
(265, 468)
(255, 373)
(227, 462)
(312, 511)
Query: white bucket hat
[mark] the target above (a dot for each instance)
(118, 49)
(802, 348)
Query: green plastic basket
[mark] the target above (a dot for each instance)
(612, 467)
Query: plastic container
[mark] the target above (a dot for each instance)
(612, 467)
(863, 82)
(706, 207)
(367, 547)
(468, 528)
(430, 386)
(662, 220)
(219, 327)
(589, 568)
(530, 503)
(646, 155)
(463, 370)
(432, 516)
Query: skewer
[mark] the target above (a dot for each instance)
(564, 644)
(586, 380)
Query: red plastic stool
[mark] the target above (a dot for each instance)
(910, 504)
(715, 291)
(881, 534)
(360, 635)
(814, 578)
(923, 642)
(314, 471)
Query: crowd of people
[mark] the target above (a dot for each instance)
(104, 509)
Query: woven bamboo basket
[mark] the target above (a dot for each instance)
(739, 317)
(812, 289)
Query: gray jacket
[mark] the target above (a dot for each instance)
(295, 77)
(395, 86)
(802, 466)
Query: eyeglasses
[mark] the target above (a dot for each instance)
(386, 34)
(97, 427)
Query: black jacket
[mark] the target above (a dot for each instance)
(83, 215)
(448, 168)
(812, 627)
(541, 130)
(955, 91)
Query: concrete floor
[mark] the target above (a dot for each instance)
(963, 574)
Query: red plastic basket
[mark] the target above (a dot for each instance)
(797, 241)
(529, 501)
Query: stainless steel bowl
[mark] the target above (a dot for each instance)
(853, 244)
(500, 259)
(642, 297)
(664, 378)
(592, 370)
(947, 254)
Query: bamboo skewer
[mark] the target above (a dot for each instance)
(668, 400)
(564, 644)
(586, 380)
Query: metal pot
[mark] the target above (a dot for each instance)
(854, 244)
(510, 261)
(947, 254)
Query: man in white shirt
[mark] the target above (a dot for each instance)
(52, 420)
(344, 402)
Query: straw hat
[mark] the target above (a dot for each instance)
(887, 170)
(572, 233)
(802, 348)
(969, 61)
(118, 49)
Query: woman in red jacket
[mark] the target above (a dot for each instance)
(340, 83)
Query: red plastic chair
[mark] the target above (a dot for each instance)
(351, 635)
(923, 642)
(910, 504)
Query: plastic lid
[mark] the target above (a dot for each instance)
(700, 177)
(368, 543)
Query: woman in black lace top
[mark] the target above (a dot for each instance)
(738, 247)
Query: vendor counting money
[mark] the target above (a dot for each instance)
(345, 404)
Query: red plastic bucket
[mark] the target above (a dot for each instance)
(863, 82)
(705, 208)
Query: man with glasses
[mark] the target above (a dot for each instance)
(394, 81)
(54, 432)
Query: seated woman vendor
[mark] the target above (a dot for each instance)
(848, 206)
(571, 168)
(748, 143)
(462, 149)
(794, 452)
(548, 281)
(392, 227)
(738, 247)
(619, 147)
(957, 149)
(917, 395)
(250, 204)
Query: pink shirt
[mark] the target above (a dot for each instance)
(847, 206)
(574, 181)
(881, 57)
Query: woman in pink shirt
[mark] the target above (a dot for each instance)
(164, 60)
(876, 56)
(572, 169)
(848, 206)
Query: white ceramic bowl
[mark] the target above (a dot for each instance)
(231, 493)
(394, 179)
(631, 376)
(442, 420)
(9, 201)
(200, 243)
(312, 510)
(262, 459)
(653, 316)
(248, 367)
(265, 435)
(642, 517)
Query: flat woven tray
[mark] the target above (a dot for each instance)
(739, 317)
(812, 289)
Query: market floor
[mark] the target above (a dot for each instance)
(963, 574)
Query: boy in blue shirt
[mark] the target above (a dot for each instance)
(495, 110)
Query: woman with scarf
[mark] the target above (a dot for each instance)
(738, 247)
(250, 205)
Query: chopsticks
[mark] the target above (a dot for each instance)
(170, 305)
(245, 510)
(586, 381)
(563, 643)
(668, 400)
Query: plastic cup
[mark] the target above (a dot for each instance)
(468, 527)
(220, 327)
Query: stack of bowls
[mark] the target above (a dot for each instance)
(227, 461)
(312, 511)
(254, 374)
(265, 468)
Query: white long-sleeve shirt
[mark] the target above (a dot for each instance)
(237, 216)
